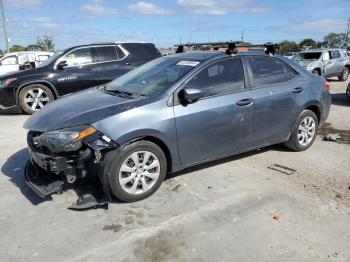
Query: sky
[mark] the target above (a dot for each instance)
(167, 22)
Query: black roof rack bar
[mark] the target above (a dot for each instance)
(270, 48)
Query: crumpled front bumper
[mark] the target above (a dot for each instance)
(47, 173)
(42, 184)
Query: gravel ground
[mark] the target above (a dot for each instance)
(235, 209)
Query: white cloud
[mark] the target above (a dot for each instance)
(147, 8)
(95, 8)
(324, 25)
(44, 22)
(24, 4)
(222, 7)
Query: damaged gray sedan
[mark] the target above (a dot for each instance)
(169, 114)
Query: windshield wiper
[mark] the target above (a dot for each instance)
(122, 92)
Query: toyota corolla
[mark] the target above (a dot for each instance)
(172, 113)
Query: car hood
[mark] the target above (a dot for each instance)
(305, 62)
(82, 108)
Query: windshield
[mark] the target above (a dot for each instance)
(153, 77)
(50, 59)
(308, 56)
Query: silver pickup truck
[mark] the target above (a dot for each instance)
(326, 62)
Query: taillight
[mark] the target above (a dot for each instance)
(327, 86)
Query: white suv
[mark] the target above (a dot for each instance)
(22, 60)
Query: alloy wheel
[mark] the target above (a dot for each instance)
(36, 98)
(139, 172)
(306, 131)
(346, 73)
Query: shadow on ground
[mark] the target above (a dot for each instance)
(14, 169)
(340, 100)
(15, 165)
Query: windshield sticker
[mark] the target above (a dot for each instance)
(188, 63)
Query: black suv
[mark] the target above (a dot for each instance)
(74, 69)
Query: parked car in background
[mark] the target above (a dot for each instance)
(15, 61)
(289, 55)
(74, 69)
(326, 62)
(172, 113)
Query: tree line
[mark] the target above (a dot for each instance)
(45, 43)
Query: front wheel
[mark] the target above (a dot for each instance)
(304, 132)
(34, 97)
(136, 170)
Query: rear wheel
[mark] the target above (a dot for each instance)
(304, 132)
(34, 97)
(136, 171)
(345, 74)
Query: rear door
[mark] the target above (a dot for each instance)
(278, 94)
(80, 72)
(111, 62)
(220, 122)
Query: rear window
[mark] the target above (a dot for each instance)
(106, 53)
(308, 56)
(142, 50)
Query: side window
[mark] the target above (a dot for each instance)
(106, 53)
(267, 71)
(335, 54)
(11, 60)
(223, 77)
(290, 73)
(78, 57)
(120, 53)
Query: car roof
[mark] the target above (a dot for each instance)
(199, 55)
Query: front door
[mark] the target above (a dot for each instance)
(80, 72)
(220, 122)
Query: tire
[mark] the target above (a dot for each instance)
(301, 138)
(345, 74)
(34, 97)
(348, 91)
(316, 72)
(120, 165)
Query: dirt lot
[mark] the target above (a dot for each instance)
(231, 210)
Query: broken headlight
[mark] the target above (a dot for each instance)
(63, 140)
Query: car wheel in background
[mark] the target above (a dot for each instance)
(304, 132)
(316, 72)
(345, 74)
(348, 91)
(34, 97)
(135, 171)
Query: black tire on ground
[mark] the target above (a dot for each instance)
(316, 72)
(113, 161)
(47, 97)
(348, 91)
(345, 74)
(293, 142)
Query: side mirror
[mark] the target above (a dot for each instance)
(190, 95)
(62, 64)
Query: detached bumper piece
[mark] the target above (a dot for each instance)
(43, 185)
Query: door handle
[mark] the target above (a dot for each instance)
(298, 90)
(89, 68)
(127, 63)
(245, 102)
